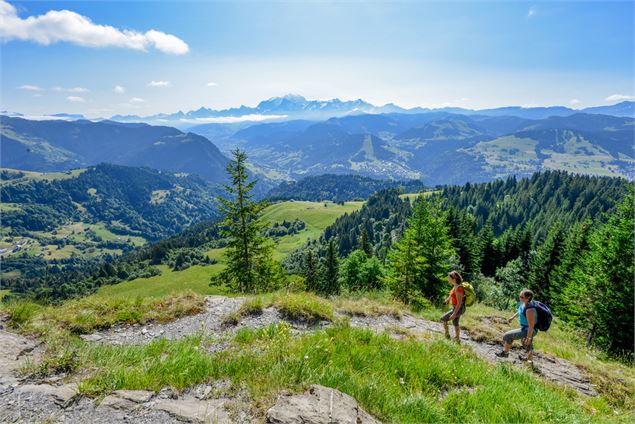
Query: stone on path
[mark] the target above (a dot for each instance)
(192, 409)
(319, 405)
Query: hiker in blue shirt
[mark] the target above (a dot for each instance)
(528, 318)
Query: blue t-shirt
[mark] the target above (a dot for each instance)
(522, 318)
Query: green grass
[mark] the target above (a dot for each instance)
(195, 278)
(396, 381)
(613, 379)
(314, 214)
(4, 293)
(85, 315)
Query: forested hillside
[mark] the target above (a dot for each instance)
(338, 188)
(62, 145)
(505, 235)
(69, 220)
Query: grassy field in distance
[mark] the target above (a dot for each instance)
(196, 278)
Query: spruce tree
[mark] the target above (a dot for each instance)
(364, 243)
(601, 291)
(250, 266)
(423, 256)
(330, 283)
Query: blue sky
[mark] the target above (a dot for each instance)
(222, 54)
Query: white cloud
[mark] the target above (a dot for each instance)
(119, 89)
(574, 102)
(211, 84)
(71, 90)
(76, 99)
(68, 26)
(531, 12)
(619, 97)
(136, 100)
(233, 119)
(159, 84)
(29, 87)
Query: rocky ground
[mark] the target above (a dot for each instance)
(48, 401)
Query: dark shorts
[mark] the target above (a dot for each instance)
(519, 334)
(455, 321)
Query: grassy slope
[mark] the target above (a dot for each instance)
(422, 379)
(197, 278)
(316, 215)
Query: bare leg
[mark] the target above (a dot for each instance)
(445, 328)
(506, 347)
(457, 332)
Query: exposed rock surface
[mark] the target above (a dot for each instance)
(319, 405)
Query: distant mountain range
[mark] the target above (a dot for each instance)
(61, 145)
(292, 107)
(450, 146)
(441, 147)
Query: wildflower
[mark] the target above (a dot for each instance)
(401, 381)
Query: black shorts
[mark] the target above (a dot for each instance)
(455, 321)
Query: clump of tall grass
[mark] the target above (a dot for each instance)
(397, 381)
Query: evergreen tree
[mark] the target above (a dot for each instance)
(250, 266)
(422, 257)
(601, 291)
(488, 254)
(543, 263)
(575, 247)
(364, 243)
(330, 282)
(311, 274)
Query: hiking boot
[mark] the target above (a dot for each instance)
(524, 358)
(457, 341)
(447, 336)
(502, 354)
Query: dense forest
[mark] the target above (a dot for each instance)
(338, 188)
(130, 201)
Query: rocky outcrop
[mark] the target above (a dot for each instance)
(319, 405)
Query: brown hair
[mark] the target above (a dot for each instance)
(455, 276)
(527, 294)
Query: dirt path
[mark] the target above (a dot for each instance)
(51, 401)
(210, 323)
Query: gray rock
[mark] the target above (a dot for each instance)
(91, 337)
(137, 396)
(61, 395)
(192, 409)
(319, 405)
(116, 402)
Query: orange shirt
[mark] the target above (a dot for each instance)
(453, 295)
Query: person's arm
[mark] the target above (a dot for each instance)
(459, 301)
(512, 317)
(531, 317)
(447, 299)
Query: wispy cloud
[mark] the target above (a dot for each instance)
(619, 97)
(531, 12)
(211, 84)
(136, 100)
(233, 119)
(119, 89)
(29, 87)
(574, 102)
(71, 90)
(76, 99)
(159, 84)
(67, 26)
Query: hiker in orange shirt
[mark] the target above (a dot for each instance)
(457, 297)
